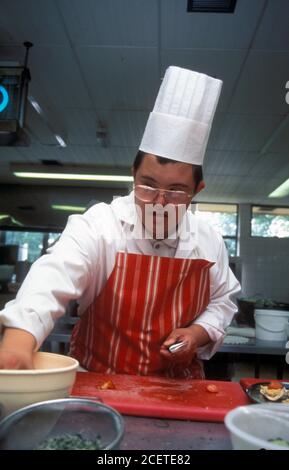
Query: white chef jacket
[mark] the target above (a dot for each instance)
(79, 264)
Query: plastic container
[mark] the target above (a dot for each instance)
(271, 324)
(252, 427)
(69, 419)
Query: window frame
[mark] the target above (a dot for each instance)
(230, 237)
(251, 217)
(43, 230)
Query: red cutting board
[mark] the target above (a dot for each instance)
(161, 397)
(247, 381)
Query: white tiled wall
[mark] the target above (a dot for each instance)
(265, 262)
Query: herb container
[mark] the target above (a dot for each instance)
(65, 424)
(259, 427)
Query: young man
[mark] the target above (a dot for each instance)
(146, 273)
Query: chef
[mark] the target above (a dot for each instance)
(152, 282)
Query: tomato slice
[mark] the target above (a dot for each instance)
(109, 385)
(212, 388)
(275, 385)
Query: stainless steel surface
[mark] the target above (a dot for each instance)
(48, 419)
(256, 346)
(167, 434)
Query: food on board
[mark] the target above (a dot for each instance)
(273, 391)
(108, 385)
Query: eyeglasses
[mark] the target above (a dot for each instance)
(148, 194)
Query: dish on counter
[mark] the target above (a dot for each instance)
(258, 393)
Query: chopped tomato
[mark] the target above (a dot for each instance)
(109, 385)
(212, 388)
(275, 385)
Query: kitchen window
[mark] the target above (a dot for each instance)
(32, 243)
(270, 221)
(224, 218)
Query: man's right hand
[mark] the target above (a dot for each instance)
(16, 349)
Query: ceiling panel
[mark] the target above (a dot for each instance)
(280, 141)
(30, 20)
(133, 22)
(124, 127)
(56, 71)
(261, 88)
(242, 132)
(127, 127)
(124, 156)
(81, 125)
(271, 164)
(230, 163)
(180, 29)
(76, 155)
(240, 189)
(121, 78)
(8, 154)
(39, 129)
(273, 32)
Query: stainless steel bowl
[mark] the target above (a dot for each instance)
(28, 428)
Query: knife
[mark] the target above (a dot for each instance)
(176, 346)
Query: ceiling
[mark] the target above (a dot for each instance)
(100, 62)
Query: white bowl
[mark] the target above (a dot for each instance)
(252, 427)
(52, 377)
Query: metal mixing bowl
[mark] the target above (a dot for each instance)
(30, 427)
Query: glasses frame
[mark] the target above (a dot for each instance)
(161, 191)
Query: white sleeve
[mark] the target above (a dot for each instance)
(221, 309)
(53, 280)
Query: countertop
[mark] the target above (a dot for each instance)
(170, 434)
(256, 346)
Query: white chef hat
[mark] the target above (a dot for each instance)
(180, 124)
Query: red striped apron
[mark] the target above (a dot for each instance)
(142, 302)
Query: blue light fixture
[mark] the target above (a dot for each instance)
(5, 98)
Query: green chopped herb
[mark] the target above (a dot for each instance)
(279, 442)
(69, 442)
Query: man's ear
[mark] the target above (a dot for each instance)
(200, 187)
(133, 171)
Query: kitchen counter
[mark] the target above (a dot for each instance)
(166, 414)
(163, 413)
(258, 348)
(169, 434)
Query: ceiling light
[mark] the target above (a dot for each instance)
(60, 140)
(60, 207)
(45, 118)
(5, 98)
(281, 191)
(10, 219)
(73, 176)
(35, 105)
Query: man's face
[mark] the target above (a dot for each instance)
(169, 176)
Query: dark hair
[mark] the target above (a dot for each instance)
(197, 170)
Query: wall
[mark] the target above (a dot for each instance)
(264, 262)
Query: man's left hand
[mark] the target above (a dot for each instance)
(193, 337)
